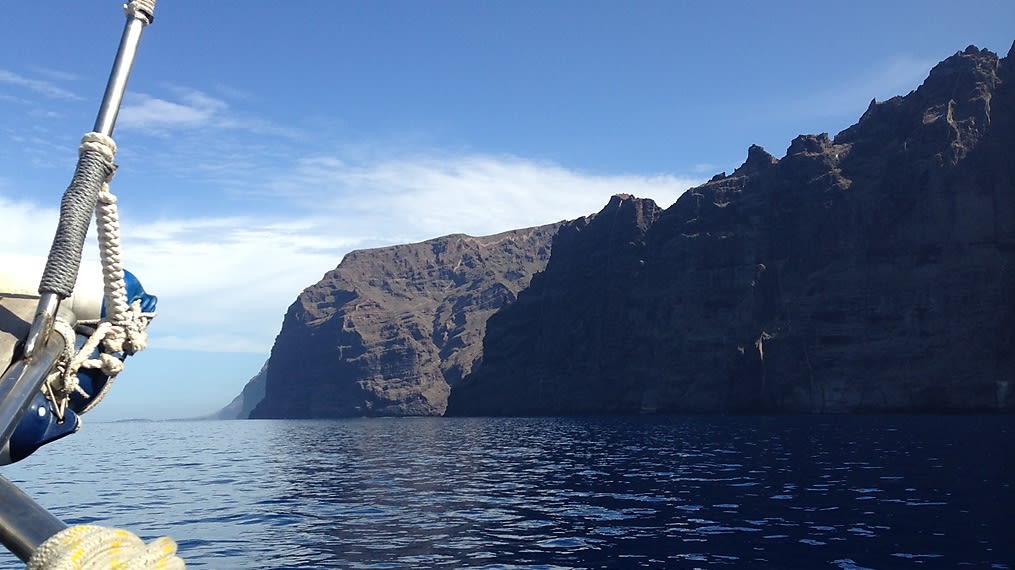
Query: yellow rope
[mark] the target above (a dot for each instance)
(90, 547)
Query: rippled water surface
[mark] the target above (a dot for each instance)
(676, 492)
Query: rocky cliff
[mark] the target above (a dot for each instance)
(872, 271)
(244, 403)
(391, 330)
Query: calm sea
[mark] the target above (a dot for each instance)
(676, 492)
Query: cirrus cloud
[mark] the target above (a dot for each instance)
(45, 88)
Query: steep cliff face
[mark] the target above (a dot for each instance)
(567, 341)
(872, 271)
(390, 330)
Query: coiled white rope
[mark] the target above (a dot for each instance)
(124, 329)
(90, 547)
(128, 334)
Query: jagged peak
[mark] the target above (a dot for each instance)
(618, 199)
(871, 109)
(972, 59)
(962, 82)
(758, 159)
(1006, 64)
(643, 211)
(809, 144)
(629, 202)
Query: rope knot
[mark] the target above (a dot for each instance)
(106, 197)
(110, 365)
(113, 342)
(143, 10)
(100, 143)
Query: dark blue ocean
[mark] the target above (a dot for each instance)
(837, 492)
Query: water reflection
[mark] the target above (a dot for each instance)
(682, 492)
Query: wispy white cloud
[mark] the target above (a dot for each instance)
(895, 76)
(193, 110)
(27, 227)
(224, 282)
(13, 99)
(435, 195)
(832, 105)
(239, 274)
(185, 109)
(44, 88)
(55, 74)
(233, 93)
(227, 280)
(848, 97)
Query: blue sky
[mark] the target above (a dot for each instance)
(262, 140)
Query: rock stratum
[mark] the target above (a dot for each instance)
(870, 271)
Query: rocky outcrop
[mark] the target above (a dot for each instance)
(252, 394)
(872, 271)
(391, 330)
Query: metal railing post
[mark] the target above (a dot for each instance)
(24, 525)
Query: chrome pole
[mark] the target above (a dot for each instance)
(116, 86)
(18, 387)
(22, 382)
(24, 525)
